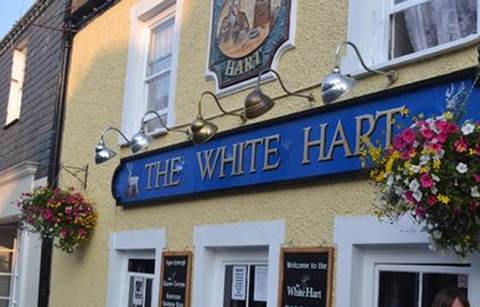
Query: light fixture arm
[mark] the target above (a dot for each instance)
(391, 74)
(309, 97)
(161, 123)
(200, 98)
(115, 129)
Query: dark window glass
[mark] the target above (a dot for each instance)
(398, 289)
(141, 266)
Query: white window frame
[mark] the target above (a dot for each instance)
(216, 245)
(368, 28)
(16, 83)
(143, 16)
(137, 244)
(363, 242)
(14, 274)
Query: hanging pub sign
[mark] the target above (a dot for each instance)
(304, 146)
(306, 277)
(175, 279)
(246, 36)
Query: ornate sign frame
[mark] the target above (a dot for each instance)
(246, 37)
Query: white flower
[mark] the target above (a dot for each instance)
(390, 181)
(414, 185)
(434, 190)
(439, 155)
(398, 190)
(436, 234)
(415, 168)
(435, 178)
(462, 168)
(474, 192)
(417, 195)
(424, 159)
(468, 128)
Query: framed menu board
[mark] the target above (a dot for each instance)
(175, 279)
(306, 277)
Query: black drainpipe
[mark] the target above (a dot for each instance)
(54, 162)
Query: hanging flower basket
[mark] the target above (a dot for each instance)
(63, 215)
(432, 172)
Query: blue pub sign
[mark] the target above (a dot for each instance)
(313, 144)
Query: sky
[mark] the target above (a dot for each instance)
(10, 12)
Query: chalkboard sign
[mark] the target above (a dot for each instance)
(306, 277)
(175, 279)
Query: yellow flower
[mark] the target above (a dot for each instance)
(443, 198)
(404, 111)
(421, 115)
(436, 164)
(447, 115)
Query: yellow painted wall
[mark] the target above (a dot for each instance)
(95, 99)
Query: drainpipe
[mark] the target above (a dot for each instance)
(54, 162)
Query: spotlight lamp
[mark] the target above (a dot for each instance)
(257, 103)
(102, 152)
(141, 140)
(335, 85)
(201, 129)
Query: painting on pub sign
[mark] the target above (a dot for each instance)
(245, 37)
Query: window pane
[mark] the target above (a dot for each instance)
(7, 237)
(398, 289)
(434, 282)
(431, 24)
(140, 292)
(5, 286)
(141, 266)
(235, 282)
(258, 273)
(158, 92)
(6, 262)
(159, 57)
(3, 303)
(154, 124)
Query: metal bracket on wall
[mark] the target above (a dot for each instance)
(76, 172)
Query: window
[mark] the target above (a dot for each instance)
(394, 31)
(386, 265)
(232, 264)
(16, 85)
(8, 265)
(245, 284)
(416, 285)
(140, 282)
(134, 277)
(151, 67)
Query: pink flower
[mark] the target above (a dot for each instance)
(63, 233)
(30, 218)
(48, 214)
(461, 145)
(409, 196)
(473, 205)
(427, 133)
(432, 200)
(452, 128)
(399, 143)
(408, 136)
(442, 136)
(436, 147)
(419, 211)
(426, 181)
(68, 210)
(82, 232)
(477, 178)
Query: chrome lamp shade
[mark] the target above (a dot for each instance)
(140, 141)
(103, 153)
(335, 85)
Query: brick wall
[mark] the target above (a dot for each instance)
(30, 138)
